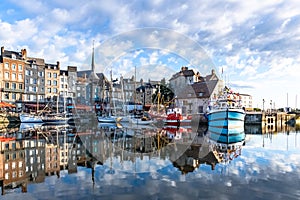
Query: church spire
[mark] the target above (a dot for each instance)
(93, 59)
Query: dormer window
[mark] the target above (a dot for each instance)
(13, 56)
(200, 94)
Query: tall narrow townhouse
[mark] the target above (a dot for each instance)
(34, 80)
(52, 82)
(12, 75)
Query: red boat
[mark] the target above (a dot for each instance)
(175, 117)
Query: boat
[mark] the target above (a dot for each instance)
(30, 118)
(226, 146)
(226, 136)
(55, 119)
(225, 112)
(175, 117)
(144, 119)
(109, 119)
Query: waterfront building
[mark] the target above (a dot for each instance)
(72, 78)
(12, 163)
(193, 91)
(12, 65)
(144, 94)
(34, 80)
(246, 101)
(52, 162)
(35, 159)
(52, 81)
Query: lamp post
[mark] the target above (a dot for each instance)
(263, 105)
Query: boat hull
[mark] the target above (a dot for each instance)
(226, 125)
(178, 122)
(140, 121)
(230, 118)
(24, 118)
(227, 136)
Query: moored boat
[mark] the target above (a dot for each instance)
(175, 117)
(30, 118)
(226, 111)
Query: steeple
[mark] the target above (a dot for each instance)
(93, 75)
(93, 59)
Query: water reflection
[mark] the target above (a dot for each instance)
(31, 152)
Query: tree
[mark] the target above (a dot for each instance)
(164, 94)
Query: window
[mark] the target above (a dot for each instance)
(49, 74)
(55, 90)
(7, 85)
(55, 75)
(6, 66)
(20, 86)
(6, 75)
(13, 165)
(34, 81)
(13, 76)
(13, 56)
(6, 96)
(20, 76)
(49, 82)
(26, 81)
(6, 166)
(20, 67)
(27, 72)
(49, 90)
(55, 82)
(13, 96)
(34, 89)
(13, 67)
(14, 86)
(6, 176)
(41, 74)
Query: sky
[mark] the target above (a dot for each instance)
(254, 46)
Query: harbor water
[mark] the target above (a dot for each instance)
(146, 162)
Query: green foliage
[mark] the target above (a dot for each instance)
(165, 97)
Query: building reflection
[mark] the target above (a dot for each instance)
(31, 153)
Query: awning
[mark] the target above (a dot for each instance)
(6, 105)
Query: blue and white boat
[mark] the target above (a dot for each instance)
(226, 136)
(226, 117)
(226, 110)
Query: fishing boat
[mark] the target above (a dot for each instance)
(226, 146)
(175, 117)
(226, 136)
(226, 112)
(30, 118)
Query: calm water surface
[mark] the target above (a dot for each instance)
(155, 163)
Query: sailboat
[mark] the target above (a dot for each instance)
(31, 117)
(55, 118)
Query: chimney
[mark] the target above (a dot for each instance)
(24, 54)
(212, 72)
(57, 64)
(2, 54)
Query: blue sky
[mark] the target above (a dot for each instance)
(256, 43)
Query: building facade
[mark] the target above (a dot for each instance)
(12, 75)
